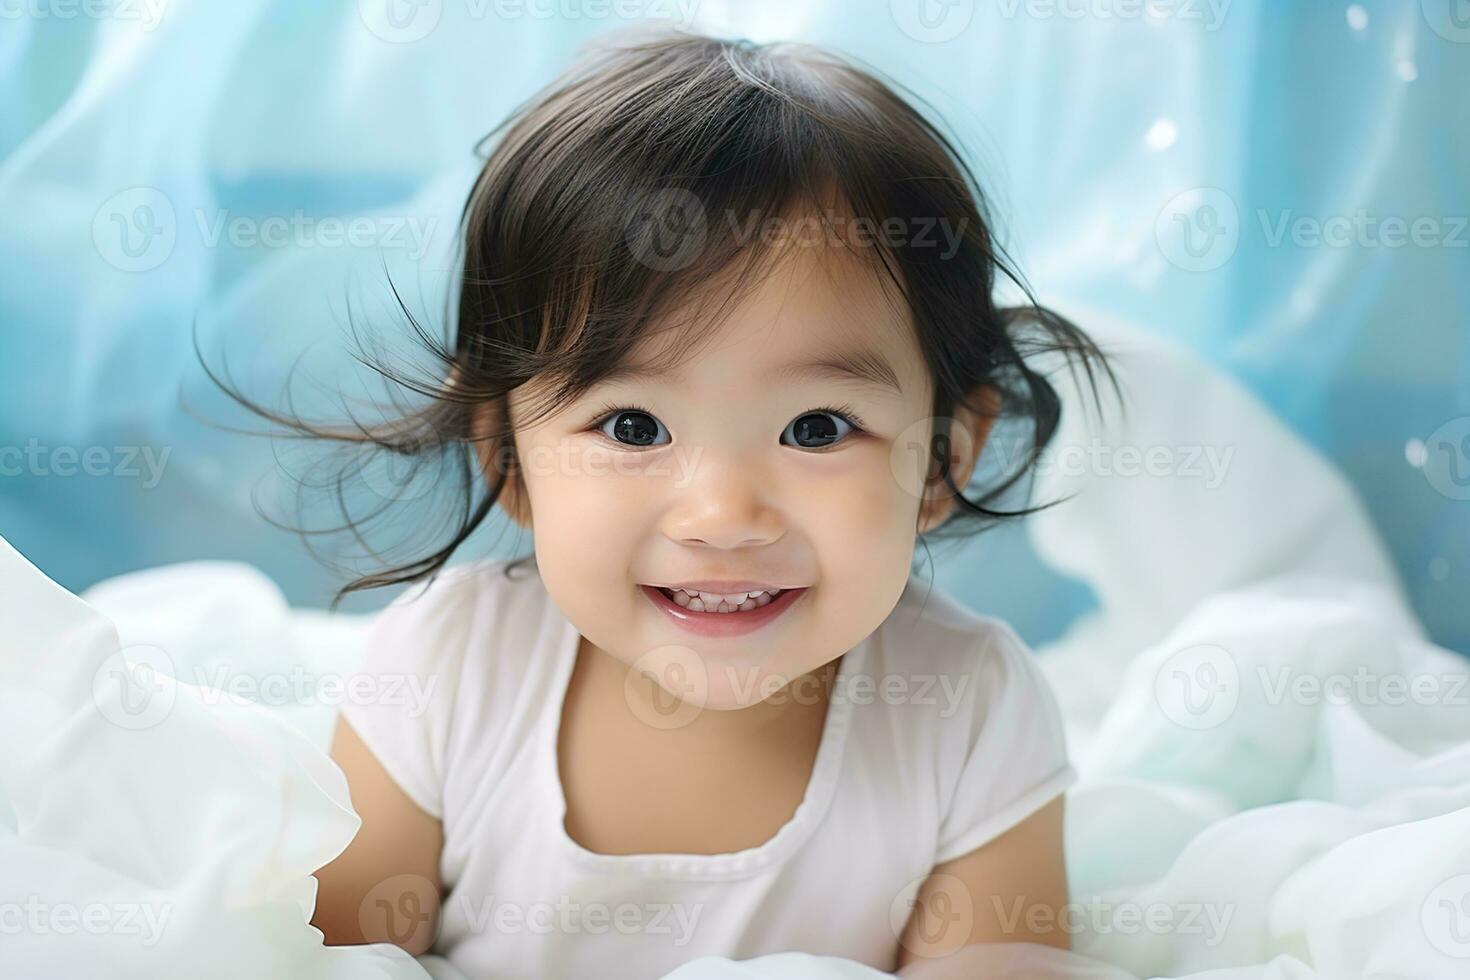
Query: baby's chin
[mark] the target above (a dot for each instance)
(730, 701)
(730, 685)
(726, 680)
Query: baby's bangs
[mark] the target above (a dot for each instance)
(687, 256)
(658, 182)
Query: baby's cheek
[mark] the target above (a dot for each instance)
(586, 535)
(582, 510)
(864, 493)
(862, 522)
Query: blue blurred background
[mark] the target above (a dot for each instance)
(1280, 186)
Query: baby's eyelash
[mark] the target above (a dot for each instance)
(608, 411)
(845, 412)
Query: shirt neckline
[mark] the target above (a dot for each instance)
(821, 786)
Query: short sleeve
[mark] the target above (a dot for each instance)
(1017, 759)
(400, 699)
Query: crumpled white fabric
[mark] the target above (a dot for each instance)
(147, 830)
(1332, 825)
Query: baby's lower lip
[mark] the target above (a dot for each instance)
(714, 624)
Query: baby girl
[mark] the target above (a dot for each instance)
(728, 346)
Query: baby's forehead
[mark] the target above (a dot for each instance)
(802, 301)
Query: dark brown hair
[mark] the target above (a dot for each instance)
(592, 217)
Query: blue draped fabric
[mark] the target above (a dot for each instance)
(1280, 186)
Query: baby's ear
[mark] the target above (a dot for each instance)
(968, 433)
(498, 456)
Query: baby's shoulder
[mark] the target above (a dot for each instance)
(488, 583)
(970, 665)
(930, 629)
(434, 694)
(964, 703)
(464, 612)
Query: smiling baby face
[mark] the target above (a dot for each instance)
(774, 473)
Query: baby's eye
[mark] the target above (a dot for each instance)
(815, 430)
(632, 427)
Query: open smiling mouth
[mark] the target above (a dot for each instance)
(707, 614)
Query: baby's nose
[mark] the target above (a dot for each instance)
(725, 510)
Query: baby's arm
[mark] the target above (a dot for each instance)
(385, 886)
(1012, 889)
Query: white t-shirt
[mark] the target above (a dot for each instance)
(941, 734)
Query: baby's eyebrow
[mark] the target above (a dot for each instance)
(865, 367)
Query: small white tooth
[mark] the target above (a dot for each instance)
(714, 602)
